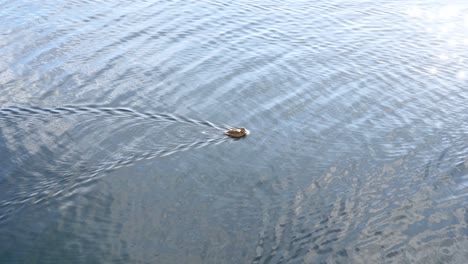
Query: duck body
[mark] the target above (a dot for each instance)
(236, 132)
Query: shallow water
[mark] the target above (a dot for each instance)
(112, 113)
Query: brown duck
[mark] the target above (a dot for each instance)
(237, 132)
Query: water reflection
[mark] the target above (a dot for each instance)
(448, 26)
(373, 213)
(359, 151)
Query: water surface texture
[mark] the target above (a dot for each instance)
(112, 116)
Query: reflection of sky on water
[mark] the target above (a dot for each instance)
(357, 110)
(448, 27)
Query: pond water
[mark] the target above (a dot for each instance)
(112, 116)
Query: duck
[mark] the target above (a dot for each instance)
(237, 132)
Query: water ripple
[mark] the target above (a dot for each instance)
(62, 132)
(359, 109)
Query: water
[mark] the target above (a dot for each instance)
(112, 118)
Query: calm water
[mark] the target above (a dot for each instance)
(112, 113)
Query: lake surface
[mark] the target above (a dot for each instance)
(112, 116)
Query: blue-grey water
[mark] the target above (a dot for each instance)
(112, 116)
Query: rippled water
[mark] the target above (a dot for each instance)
(112, 116)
